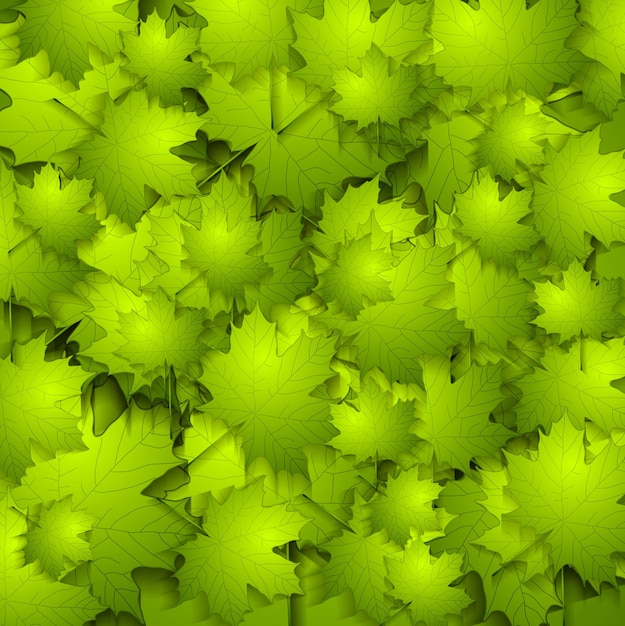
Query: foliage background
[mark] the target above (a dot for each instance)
(312, 313)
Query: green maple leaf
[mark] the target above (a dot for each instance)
(491, 300)
(358, 210)
(375, 93)
(237, 550)
(357, 278)
(283, 251)
(515, 134)
(359, 562)
(66, 29)
(600, 34)
(268, 395)
(572, 502)
(448, 163)
(215, 462)
(579, 305)
(493, 222)
(297, 145)
(378, 428)
(36, 125)
(130, 530)
(392, 335)
(574, 197)
(423, 582)
(600, 86)
(31, 597)
(39, 278)
(576, 382)
(223, 250)
(162, 263)
(329, 497)
(454, 417)
(404, 506)
(346, 32)
(522, 601)
(40, 401)
(55, 539)
(119, 251)
(105, 78)
(160, 60)
(54, 208)
(161, 337)
(263, 25)
(464, 500)
(133, 150)
(518, 43)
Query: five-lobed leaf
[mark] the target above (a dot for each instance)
(266, 396)
(237, 550)
(133, 150)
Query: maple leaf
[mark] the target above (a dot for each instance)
(161, 338)
(105, 78)
(40, 402)
(32, 275)
(55, 209)
(55, 539)
(237, 550)
(162, 263)
(346, 32)
(222, 249)
(392, 335)
(118, 251)
(66, 29)
(518, 43)
(454, 417)
(579, 305)
(375, 93)
(36, 125)
(492, 301)
(160, 60)
(215, 462)
(297, 145)
(600, 86)
(572, 502)
(359, 562)
(133, 150)
(424, 581)
(283, 251)
(268, 395)
(448, 163)
(31, 597)
(494, 223)
(600, 34)
(264, 26)
(359, 210)
(611, 132)
(357, 277)
(515, 134)
(574, 197)
(329, 497)
(378, 428)
(576, 382)
(464, 500)
(106, 480)
(11, 231)
(404, 506)
(523, 601)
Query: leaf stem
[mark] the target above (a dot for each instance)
(221, 167)
(563, 596)
(375, 476)
(10, 329)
